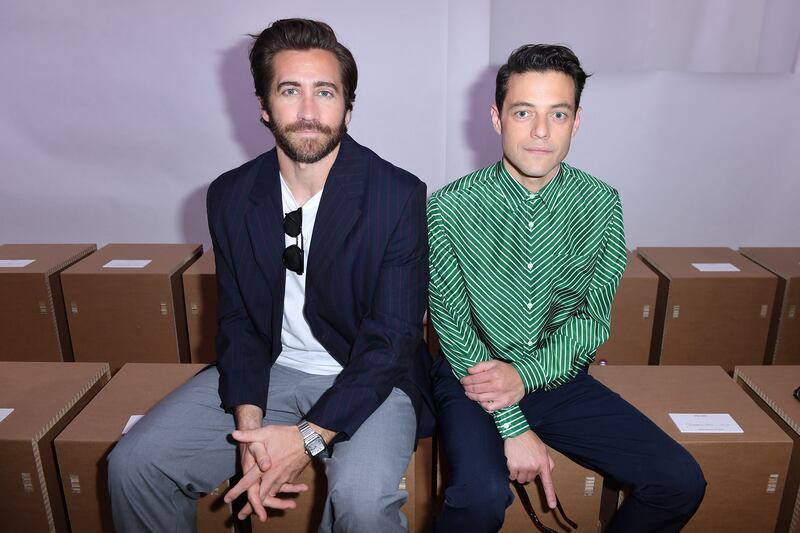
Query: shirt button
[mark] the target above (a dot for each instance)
(530, 343)
(530, 305)
(530, 224)
(531, 196)
(530, 266)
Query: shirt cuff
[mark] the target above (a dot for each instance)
(510, 422)
(531, 373)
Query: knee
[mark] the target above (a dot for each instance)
(364, 504)
(677, 484)
(130, 465)
(481, 501)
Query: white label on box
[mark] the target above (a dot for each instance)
(131, 422)
(715, 267)
(705, 423)
(15, 263)
(4, 412)
(127, 263)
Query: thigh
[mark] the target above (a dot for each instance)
(470, 439)
(375, 458)
(186, 436)
(594, 426)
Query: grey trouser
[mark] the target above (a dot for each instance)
(182, 450)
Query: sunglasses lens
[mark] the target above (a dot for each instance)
(293, 258)
(292, 223)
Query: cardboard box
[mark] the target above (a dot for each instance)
(125, 304)
(305, 518)
(33, 322)
(746, 472)
(772, 389)
(631, 316)
(714, 307)
(44, 398)
(84, 445)
(200, 292)
(783, 344)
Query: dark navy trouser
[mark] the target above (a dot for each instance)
(585, 421)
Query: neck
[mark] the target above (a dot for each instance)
(305, 179)
(531, 183)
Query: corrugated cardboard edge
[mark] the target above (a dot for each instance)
(176, 274)
(47, 427)
(58, 268)
(789, 422)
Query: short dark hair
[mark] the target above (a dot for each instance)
(540, 58)
(299, 34)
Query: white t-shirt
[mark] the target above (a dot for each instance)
(300, 350)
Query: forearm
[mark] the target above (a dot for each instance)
(248, 416)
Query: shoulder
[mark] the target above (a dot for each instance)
(238, 180)
(382, 174)
(588, 185)
(466, 188)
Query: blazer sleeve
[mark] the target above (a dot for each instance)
(241, 351)
(391, 333)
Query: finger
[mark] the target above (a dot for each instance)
(257, 507)
(480, 388)
(483, 366)
(249, 479)
(293, 488)
(549, 489)
(248, 435)
(481, 396)
(279, 503)
(474, 379)
(491, 407)
(259, 453)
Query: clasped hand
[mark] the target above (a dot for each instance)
(494, 385)
(272, 456)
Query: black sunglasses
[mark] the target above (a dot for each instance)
(293, 254)
(526, 504)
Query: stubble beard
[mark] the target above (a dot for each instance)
(307, 150)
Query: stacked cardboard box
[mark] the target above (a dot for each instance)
(714, 307)
(631, 316)
(33, 323)
(37, 400)
(200, 292)
(773, 390)
(125, 304)
(83, 447)
(746, 471)
(783, 345)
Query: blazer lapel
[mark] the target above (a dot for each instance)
(339, 209)
(264, 219)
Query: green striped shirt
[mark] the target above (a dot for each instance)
(526, 278)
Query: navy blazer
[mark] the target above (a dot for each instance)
(366, 286)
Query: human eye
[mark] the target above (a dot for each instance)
(290, 91)
(522, 113)
(560, 115)
(326, 93)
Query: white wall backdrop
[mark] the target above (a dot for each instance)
(114, 117)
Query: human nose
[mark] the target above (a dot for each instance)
(540, 128)
(308, 108)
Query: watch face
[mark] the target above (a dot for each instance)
(315, 447)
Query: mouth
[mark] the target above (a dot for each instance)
(538, 151)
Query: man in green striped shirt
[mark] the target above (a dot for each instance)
(525, 258)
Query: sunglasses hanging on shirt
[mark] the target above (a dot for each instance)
(293, 254)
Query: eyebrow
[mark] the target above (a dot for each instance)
(560, 105)
(290, 83)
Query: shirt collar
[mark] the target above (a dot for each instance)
(516, 194)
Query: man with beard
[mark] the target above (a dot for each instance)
(321, 258)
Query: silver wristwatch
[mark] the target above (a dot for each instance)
(312, 441)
